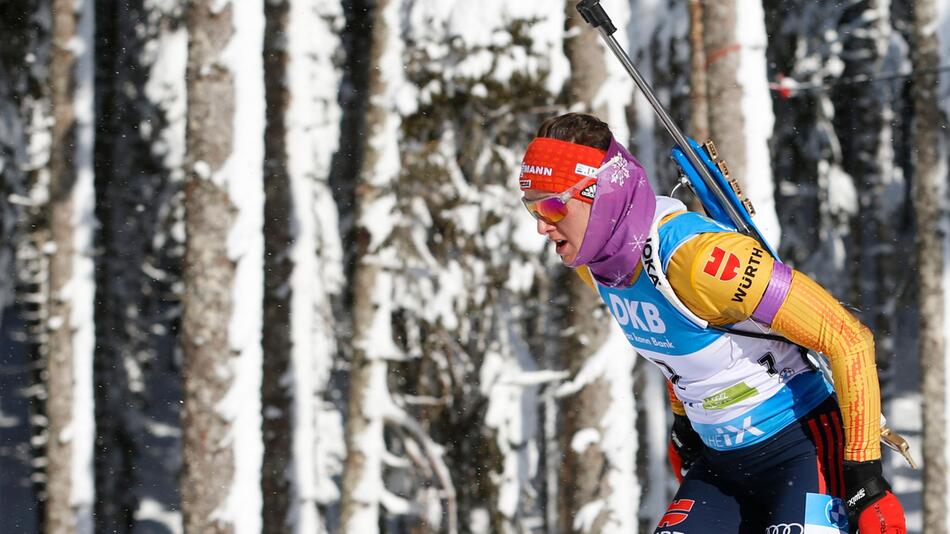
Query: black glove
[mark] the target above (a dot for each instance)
(869, 499)
(685, 446)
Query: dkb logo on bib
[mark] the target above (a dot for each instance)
(643, 316)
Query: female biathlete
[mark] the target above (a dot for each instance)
(769, 445)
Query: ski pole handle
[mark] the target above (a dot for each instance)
(595, 15)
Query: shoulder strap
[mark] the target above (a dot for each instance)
(651, 260)
(758, 335)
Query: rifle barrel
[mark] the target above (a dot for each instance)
(676, 133)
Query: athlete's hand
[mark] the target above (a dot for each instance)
(685, 446)
(872, 508)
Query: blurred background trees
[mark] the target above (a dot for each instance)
(265, 267)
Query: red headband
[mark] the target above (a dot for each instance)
(554, 166)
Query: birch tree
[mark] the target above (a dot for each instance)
(740, 117)
(598, 409)
(69, 215)
(220, 484)
(931, 217)
(659, 35)
(698, 81)
(362, 480)
(303, 264)
(449, 267)
(372, 406)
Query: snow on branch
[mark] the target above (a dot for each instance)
(434, 453)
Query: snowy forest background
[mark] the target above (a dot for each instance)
(264, 267)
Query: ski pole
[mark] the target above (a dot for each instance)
(595, 15)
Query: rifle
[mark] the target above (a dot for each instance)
(708, 177)
(702, 171)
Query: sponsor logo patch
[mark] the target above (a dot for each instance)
(730, 435)
(722, 265)
(729, 396)
(825, 514)
(644, 316)
(649, 263)
(677, 512)
(836, 512)
(584, 170)
(751, 269)
(589, 191)
(725, 266)
(857, 497)
(526, 184)
(540, 170)
(785, 528)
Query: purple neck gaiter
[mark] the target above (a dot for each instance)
(620, 218)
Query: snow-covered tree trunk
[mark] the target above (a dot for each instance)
(583, 467)
(69, 403)
(362, 479)
(739, 104)
(876, 206)
(452, 259)
(599, 490)
(23, 91)
(276, 391)
(698, 82)
(208, 273)
(698, 125)
(659, 45)
(220, 485)
(653, 467)
(722, 53)
(931, 216)
(14, 92)
(660, 36)
(318, 257)
(818, 196)
(116, 449)
(138, 183)
(303, 265)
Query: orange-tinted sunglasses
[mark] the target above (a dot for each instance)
(553, 208)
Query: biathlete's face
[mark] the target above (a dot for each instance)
(561, 219)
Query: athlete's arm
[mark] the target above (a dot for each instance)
(811, 317)
(727, 277)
